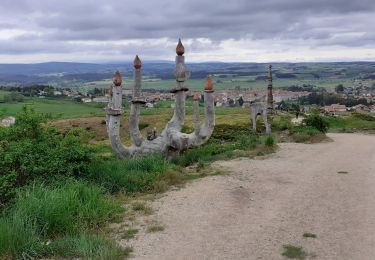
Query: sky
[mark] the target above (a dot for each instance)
(211, 30)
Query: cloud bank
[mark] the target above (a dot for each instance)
(238, 30)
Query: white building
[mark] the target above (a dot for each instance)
(8, 121)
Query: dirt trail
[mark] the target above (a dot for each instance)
(264, 204)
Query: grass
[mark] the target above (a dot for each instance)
(130, 233)
(306, 134)
(88, 247)
(270, 141)
(59, 214)
(142, 207)
(294, 252)
(155, 228)
(129, 176)
(352, 122)
(57, 108)
(225, 140)
(309, 235)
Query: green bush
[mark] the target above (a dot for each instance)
(270, 141)
(317, 121)
(30, 151)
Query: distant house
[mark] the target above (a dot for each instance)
(361, 107)
(100, 99)
(149, 105)
(8, 121)
(86, 100)
(335, 108)
(57, 93)
(372, 109)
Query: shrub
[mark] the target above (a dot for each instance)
(317, 121)
(270, 141)
(29, 151)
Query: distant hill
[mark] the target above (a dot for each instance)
(64, 73)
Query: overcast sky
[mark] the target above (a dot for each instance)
(211, 30)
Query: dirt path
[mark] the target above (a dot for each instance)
(264, 204)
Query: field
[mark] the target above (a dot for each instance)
(55, 108)
(230, 82)
(160, 75)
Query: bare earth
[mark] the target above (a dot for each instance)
(262, 205)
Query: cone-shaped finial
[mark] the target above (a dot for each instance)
(180, 49)
(137, 63)
(209, 86)
(197, 96)
(117, 79)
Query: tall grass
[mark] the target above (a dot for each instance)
(222, 146)
(86, 246)
(128, 176)
(42, 213)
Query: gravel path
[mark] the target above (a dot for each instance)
(262, 205)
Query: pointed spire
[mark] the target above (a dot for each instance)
(117, 79)
(209, 86)
(180, 49)
(137, 63)
(197, 96)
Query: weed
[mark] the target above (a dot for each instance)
(294, 252)
(130, 233)
(270, 141)
(86, 246)
(311, 235)
(140, 206)
(155, 228)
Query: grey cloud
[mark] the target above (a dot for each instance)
(54, 24)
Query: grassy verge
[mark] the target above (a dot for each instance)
(355, 122)
(47, 221)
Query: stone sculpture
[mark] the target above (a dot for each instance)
(171, 139)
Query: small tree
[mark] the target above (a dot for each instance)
(240, 101)
(317, 121)
(339, 88)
